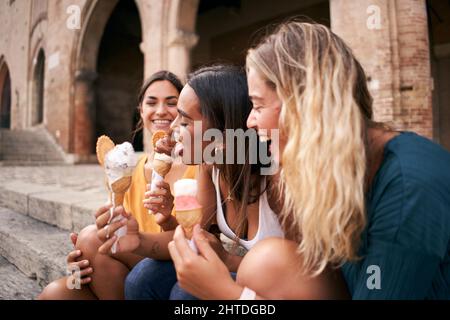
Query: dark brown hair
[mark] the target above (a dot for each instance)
(224, 102)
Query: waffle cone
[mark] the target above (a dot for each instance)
(104, 145)
(188, 219)
(121, 185)
(118, 199)
(161, 167)
(157, 136)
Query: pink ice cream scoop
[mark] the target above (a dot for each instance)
(187, 208)
(186, 203)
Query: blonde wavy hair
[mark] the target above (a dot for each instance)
(326, 108)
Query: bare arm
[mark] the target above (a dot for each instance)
(154, 245)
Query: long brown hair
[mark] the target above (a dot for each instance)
(224, 102)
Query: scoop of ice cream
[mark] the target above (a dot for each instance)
(185, 193)
(120, 162)
(186, 203)
(185, 187)
(163, 157)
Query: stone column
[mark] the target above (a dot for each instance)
(154, 20)
(84, 114)
(179, 51)
(168, 38)
(415, 70)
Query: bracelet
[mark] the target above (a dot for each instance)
(247, 294)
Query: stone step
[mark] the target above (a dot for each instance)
(14, 285)
(30, 160)
(29, 145)
(28, 163)
(35, 248)
(32, 156)
(67, 209)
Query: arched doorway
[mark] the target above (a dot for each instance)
(108, 70)
(120, 68)
(227, 28)
(37, 111)
(5, 97)
(439, 24)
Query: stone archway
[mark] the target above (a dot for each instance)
(227, 32)
(438, 25)
(120, 68)
(228, 28)
(85, 66)
(5, 96)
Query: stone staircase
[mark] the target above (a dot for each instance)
(33, 146)
(39, 206)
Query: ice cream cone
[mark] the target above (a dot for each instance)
(161, 167)
(188, 210)
(121, 185)
(158, 135)
(161, 162)
(104, 145)
(119, 162)
(188, 219)
(118, 199)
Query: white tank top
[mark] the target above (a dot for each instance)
(268, 224)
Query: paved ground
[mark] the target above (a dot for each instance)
(89, 178)
(14, 285)
(39, 207)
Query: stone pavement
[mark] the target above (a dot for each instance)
(89, 178)
(14, 285)
(39, 206)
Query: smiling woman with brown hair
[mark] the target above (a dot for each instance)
(102, 275)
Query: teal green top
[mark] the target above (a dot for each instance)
(406, 243)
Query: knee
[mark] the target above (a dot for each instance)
(88, 235)
(88, 241)
(263, 265)
(54, 291)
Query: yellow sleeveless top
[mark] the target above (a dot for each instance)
(134, 197)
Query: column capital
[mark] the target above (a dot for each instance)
(183, 38)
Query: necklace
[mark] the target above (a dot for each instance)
(229, 198)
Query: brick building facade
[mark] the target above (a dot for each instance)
(73, 67)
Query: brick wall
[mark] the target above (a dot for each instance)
(395, 57)
(414, 68)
